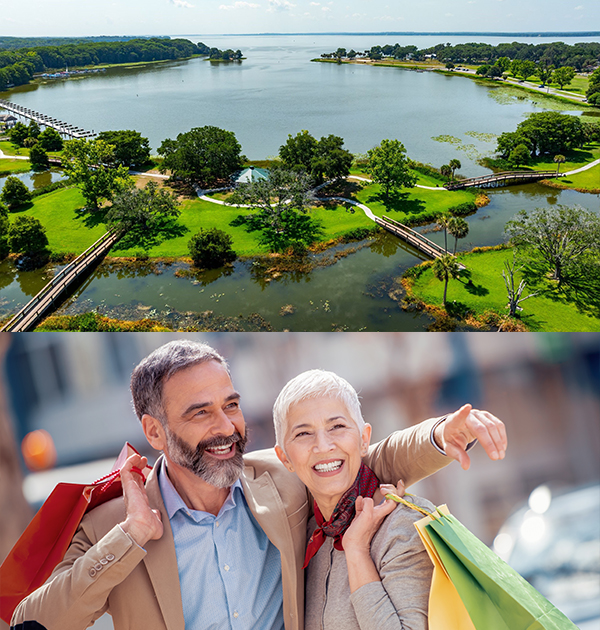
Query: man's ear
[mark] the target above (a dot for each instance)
(154, 432)
(365, 439)
(283, 458)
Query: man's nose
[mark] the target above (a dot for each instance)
(223, 424)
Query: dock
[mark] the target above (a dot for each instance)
(65, 129)
(54, 292)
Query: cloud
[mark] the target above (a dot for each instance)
(280, 5)
(325, 9)
(579, 8)
(315, 4)
(182, 4)
(239, 5)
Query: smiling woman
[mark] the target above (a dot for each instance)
(386, 574)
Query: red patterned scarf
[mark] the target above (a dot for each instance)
(365, 485)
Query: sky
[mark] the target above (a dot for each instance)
(24, 18)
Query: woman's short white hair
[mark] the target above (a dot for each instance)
(314, 384)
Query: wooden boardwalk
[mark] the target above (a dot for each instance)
(501, 179)
(51, 295)
(41, 119)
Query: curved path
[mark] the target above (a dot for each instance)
(12, 157)
(365, 179)
(583, 168)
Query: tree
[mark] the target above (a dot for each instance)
(390, 167)
(450, 66)
(459, 228)
(455, 165)
(523, 68)
(142, 208)
(593, 87)
(545, 73)
(563, 76)
(322, 159)
(15, 193)
(509, 140)
(445, 170)
(298, 151)
(514, 295)
(482, 70)
(26, 235)
(331, 161)
(211, 248)
(4, 225)
(90, 165)
(444, 268)
(519, 155)
(559, 237)
(38, 157)
(130, 146)
(18, 133)
(558, 160)
(280, 204)
(50, 140)
(503, 63)
(550, 132)
(204, 154)
(33, 129)
(443, 220)
(494, 72)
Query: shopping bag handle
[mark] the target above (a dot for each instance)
(413, 506)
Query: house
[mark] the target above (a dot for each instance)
(7, 120)
(249, 175)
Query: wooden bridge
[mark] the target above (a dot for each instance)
(501, 179)
(41, 119)
(28, 317)
(412, 237)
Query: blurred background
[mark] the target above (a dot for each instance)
(65, 413)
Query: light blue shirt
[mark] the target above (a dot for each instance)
(229, 571)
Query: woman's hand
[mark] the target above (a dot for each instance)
(365, 524)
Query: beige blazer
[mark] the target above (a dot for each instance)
(105, 571)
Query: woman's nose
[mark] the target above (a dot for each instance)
(323, 442)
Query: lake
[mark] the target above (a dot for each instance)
(274, 92)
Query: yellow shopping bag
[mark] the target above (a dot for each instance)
(446, 609)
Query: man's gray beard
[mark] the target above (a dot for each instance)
(220, 473)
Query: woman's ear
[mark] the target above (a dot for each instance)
(365, 439)
(154, 432)
(283, 458)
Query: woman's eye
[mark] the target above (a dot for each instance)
(301, 434)
(339, 426)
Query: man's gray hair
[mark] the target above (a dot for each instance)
(150, 375)
(314, 384)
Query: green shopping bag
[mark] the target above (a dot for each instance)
(494, 594)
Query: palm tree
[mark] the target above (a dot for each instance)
(445, 170)
(559, 159)
(459, 228)
(444, 268)
(454, 165)
(443, 220)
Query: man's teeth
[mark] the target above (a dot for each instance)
(220, 450)
(329, 467)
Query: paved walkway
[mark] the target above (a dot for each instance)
(12, 157)
(583, 168)
(366, 179)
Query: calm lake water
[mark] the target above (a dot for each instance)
(277, 91)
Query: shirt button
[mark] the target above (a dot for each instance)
(217, 523)
(236, 614)
(226, 567)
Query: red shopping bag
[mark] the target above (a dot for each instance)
(44, 543)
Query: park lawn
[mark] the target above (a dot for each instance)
(586, 180)
(339, 220)
(196, 214)
(544, 312)
(14, 166)
(412, 205)
(576, 158)
(68, 231)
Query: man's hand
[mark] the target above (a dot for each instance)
(465, 425)
(142, 522)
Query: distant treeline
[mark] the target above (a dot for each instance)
(17, 67)
(582, 55)
(13, 43)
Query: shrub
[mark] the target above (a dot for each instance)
(38, 157)
(463, 209)
(211, 248)
(26, 235)
(15, 193)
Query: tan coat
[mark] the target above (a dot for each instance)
(104, 570)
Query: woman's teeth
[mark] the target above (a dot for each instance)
(329, 467)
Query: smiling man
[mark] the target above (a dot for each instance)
(215, 539)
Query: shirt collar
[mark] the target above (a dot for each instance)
(174, 503)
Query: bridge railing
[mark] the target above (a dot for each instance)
(499, 177)
(72, 266)
(417, 236)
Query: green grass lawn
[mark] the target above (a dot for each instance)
(548, 311)
(67, 230)
(412, 205)
(14, 166)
